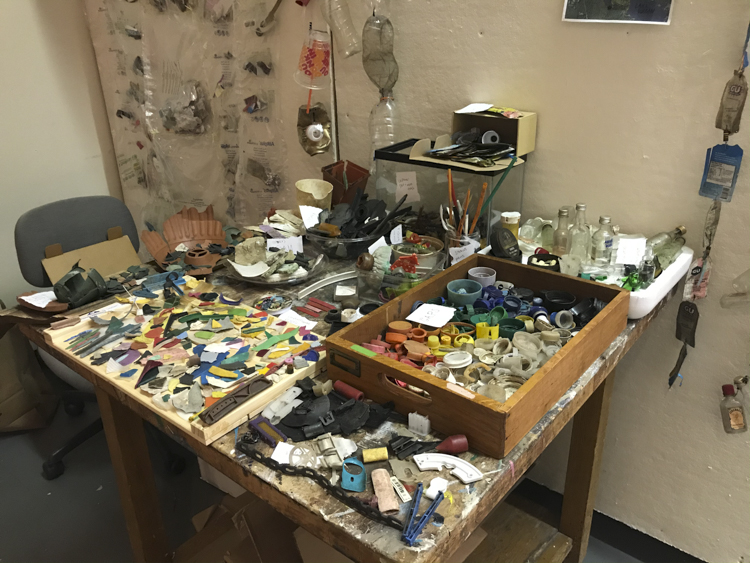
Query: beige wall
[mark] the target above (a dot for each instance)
(55, 136)
(625, 115)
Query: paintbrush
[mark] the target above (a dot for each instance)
(479, 207)
(463, 216)
(497, 186)
(453, 202)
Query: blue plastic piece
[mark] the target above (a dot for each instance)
(351, 481)
(412, 530)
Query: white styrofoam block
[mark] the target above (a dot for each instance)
(419, 424)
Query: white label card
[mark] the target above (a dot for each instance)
(406, 185)
(292, 243)
(397, 235)
(630, 250)
(432, 315)
(377, 244)
(458, 253)
(309, 215)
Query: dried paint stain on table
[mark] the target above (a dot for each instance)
(498, 475)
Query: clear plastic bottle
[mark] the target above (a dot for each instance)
(580, 236)
(732, 411)
(382, 124)
(561, 236)
(346, 38)
(601, 242)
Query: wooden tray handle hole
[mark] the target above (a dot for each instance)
(411, 392)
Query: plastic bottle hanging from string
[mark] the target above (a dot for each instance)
(336, 14)
(314, 62)
(382, 69)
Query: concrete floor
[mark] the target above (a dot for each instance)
(77, 517)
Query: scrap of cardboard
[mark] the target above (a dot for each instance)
(107, 258)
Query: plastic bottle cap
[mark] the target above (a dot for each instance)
(728, 390)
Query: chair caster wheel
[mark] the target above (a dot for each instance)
(176, 464)
(52, 470)
(74, 408)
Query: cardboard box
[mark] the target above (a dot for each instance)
(216, 478)
(240, 530)
(314, 550)
(26, 399)
(520, 132)
(108, 257)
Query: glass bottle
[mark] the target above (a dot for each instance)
(732, 411)
(601, 242)
(658, 241)
(647, 268)
(668, 253)
(561, 236)
(580, 236)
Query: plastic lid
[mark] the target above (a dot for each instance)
(728, 390)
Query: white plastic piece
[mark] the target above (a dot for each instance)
(437, 485)
(344, 447)
(419, 424)
(401, 491)
(278, 409)
(462, 469)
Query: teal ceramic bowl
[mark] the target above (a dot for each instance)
(508, 327)
(471, 292)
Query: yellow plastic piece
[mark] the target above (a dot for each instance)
(433, 343)
(301, 348)
(173, 383)
(215, 324)
(263, 371)
(445, 340)
(143, 339)
(278, 352)
(484, 330)
(218, 394)
(123, 298)
(220, 372)
(463, 339)
(239, 320)
(375, 454)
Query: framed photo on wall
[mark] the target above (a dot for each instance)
(618, 11)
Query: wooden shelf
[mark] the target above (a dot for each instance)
(515, 536)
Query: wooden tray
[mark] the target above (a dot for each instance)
(202, 432)
(492, 428)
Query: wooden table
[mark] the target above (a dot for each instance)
(520, 538)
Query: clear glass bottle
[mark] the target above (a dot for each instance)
(601, 242)
(561, 236)
(345, 36)
(658, 241)
(732, 411)
(580, 236)
(668, 253)
(647, 269)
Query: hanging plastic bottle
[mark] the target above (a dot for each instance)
(382, 69)
(336, 14)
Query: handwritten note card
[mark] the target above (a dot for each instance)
(292, 243)
(432, 315)
(406, 185)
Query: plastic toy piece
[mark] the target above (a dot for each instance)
(437, 485)
(278, 409)
(348, 391)
(267, 431)
(419, 424)
(462, 469)
(412, 530)
(375, 454)
(219, 410)
(353, 475)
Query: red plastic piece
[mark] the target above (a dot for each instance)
(348, 391)
(408, 263)
(307, 311)
(457, 444)
(321, 304)
(408, 362)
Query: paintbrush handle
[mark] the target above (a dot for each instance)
(479, 207)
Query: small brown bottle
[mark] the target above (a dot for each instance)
(732, 411)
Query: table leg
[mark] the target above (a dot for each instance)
(126, 439)
(584, 462)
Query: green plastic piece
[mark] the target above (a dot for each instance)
(204, 334)
(237, 311)
(272, 341)
(187, 344)
(365, 351)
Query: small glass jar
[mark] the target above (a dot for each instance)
(455, 246)
(732, 411)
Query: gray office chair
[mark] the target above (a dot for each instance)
(73, 223)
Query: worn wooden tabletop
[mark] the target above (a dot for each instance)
(464, 508)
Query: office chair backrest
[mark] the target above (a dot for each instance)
(73, 223)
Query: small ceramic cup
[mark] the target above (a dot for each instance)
(484, 276)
